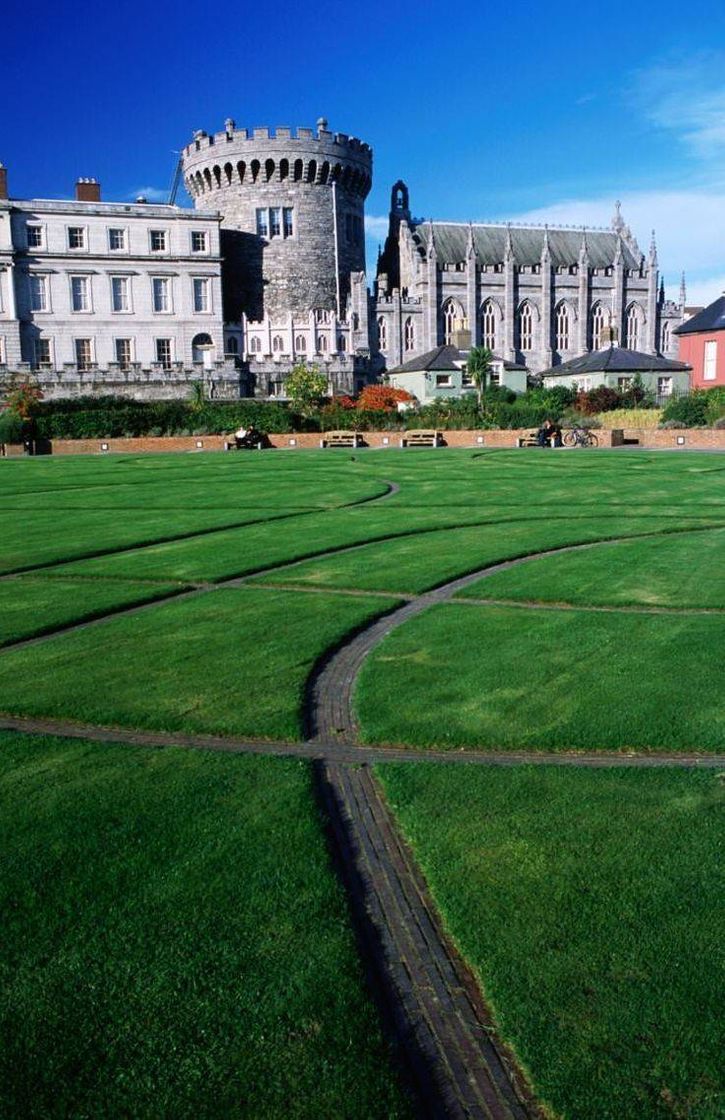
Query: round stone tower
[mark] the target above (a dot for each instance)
(292, 206)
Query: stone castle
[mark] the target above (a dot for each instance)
(268, 269)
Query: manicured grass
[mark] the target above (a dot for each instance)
(680, 570)
(175, 942)
(590, 905)
(507, 678)
(424, 559)
(32, 605)
(233, 662)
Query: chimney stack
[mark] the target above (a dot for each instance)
(88, 190)
(3, 181)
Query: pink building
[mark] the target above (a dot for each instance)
(702, 345)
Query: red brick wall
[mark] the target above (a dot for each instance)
(692, 350)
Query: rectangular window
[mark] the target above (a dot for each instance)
(123, 352)
(116, 240)
(120, 298)
(664, 386)
(709, 371)
(289, 225)
(38, 293)
(161, 298)
(201, 294)
(198, 241)
(262, 224)
(624, 382)
(163, 352)
(34, 236)
(158, 240)
(79, 299)
(443, 380)
(466, 380)
(42, 352)
(275, 221)
(84, 354)
(494, 378)
(76, 237)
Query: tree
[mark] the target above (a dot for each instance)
(197, 396)
(479, 369)
(23, 399)
(305, 387)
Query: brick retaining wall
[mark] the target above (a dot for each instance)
(692, 438)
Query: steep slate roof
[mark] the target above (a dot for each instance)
(451, 243)
(615, 359)
(711, 318)
(442, 358)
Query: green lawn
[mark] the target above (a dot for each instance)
(233, 662)
(590, 905)
(680, 570)
(32, 605)
(508, 678)
(175, 942)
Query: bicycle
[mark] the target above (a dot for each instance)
(580, 437)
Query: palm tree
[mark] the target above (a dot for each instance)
(479, 369)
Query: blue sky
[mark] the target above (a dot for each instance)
(527, 110)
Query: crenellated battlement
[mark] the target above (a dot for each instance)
(240, 157)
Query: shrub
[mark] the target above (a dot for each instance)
(631, 418)
(11, 427)
(689, 411)
(382, 398)
(596, 400)
(715, 404)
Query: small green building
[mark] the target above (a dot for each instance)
(615, 367)
(441, 374)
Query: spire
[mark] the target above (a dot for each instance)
(431, 241)
(508, 253)
(683, 292)
(653, 250)
(470, 248)
(618, 220)
(545, 251)
(584, 248)
(662, 289)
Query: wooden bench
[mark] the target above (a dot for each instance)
(421, 437)
(531, 439)
(341, 439)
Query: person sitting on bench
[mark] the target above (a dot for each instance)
(549, 435)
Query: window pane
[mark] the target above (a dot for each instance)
(262, 227)
(198, 242)
(119, 293)
(161, 293)
(42, 351)
(117, 238)
(275, 218)
(201, 295)
(79, 293)
(83, 353)
(158, 240)
(123, 352)
(35, 236)
(76, 237)
(38, 301)
(163, 351)
(288, 221)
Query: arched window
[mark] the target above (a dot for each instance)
(488, 325)
(278, 344)
(355, 321)
(382, 334)
(562, 327)
(320, 315)
(341, 343)
(666, 340)
(598, 322)
(526, 327)
(633, 324)
(312, 171)
(232, 346)
(322, 344)
(254, 168)
(255, 345)
(409, 335)
(298, 170)
(452, 317)
(229, 172)
(241, 168)
(300, 344)
(268, 169)
(284, 169)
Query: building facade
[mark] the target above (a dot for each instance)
(702, 344)
(112, 297)
(535, 296)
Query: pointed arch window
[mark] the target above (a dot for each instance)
(300, 343)
(597, 326)
(633, 324)
(382, 334)
(488, 325)
(278, 344)
(452, 316)
(665, 344)
(409, 335)
(562, 327)
(526, 327)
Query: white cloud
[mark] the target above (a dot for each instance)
(686, 95)
(151, 194)
(689, 226)
(376, 227)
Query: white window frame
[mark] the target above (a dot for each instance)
(40, 227)
(709, 360)
(665, 386)
(172, 350)
(88, 310)
(77, 248)
(37, 362)
(128, 286)
(44, 279)
(205, 246)
(92, 349)
(443, 381)
(123, 230)
(165, 248)
(3, 352)
(205, 281)
(132, 349)
(166, 281)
